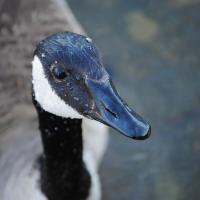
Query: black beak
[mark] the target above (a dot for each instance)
(111, 110)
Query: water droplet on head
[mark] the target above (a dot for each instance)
(88, 39)
(69, 84)
(78, 77)
(55, 128)
(76, 98)
(43, 55)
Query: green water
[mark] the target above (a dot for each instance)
(151, 49)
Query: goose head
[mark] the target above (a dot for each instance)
(69, 80)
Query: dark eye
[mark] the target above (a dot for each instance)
(58, 72)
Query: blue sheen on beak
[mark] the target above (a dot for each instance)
(114, 112)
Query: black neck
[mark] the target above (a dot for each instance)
(63, 174)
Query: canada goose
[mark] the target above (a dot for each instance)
(70, 89)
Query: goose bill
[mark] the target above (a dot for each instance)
(111, 110)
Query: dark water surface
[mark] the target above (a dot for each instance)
(152, 50)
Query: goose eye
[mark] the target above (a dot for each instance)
(58, 72)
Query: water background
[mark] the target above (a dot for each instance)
(152, 50)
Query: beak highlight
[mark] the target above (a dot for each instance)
(114, 112)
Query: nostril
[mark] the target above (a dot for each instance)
(109, 111)
(112, 113)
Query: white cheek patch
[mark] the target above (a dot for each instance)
(46, 96)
